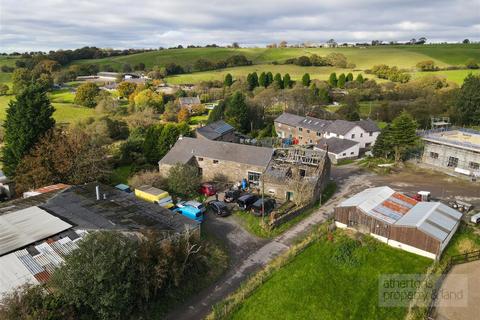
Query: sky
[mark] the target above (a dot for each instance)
(42, 25)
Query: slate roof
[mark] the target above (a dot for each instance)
(186, 101)
(340, 127)
(335, 145)
(215, 130)
(186, 148)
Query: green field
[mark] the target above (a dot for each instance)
(456, 76)
(401, 56)
(65, 112)
(296, 73)
(8, 61)
(315, 285)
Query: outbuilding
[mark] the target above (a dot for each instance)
(423, 228)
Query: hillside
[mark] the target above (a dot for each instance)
(364, 58)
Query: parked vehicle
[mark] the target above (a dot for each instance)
(192, 203)
(220, 208)
(245, 202)
(231, 195)
(475, 218)
(190, 212)
(268, 206)
(208, 189)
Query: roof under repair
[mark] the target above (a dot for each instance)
(395, 208)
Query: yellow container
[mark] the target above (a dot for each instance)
(150, 194)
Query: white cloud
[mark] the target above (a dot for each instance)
(53, 24)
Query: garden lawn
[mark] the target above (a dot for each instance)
(316, 286)
(466, 239)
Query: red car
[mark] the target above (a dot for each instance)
(207, 189)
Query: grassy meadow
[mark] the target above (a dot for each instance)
(65, 110)
(327, 282)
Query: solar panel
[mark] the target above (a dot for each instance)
(222, 129)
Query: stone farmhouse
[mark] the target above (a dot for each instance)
(313, 131)
(217, 158)
(287, 174)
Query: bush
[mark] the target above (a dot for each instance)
(86, 95)
(184, 180)
(151, 178)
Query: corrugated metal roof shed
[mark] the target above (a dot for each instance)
(22, 267)
(22, 227)
(433, 218)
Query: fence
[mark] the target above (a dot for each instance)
(454, 260)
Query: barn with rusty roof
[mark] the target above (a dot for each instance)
(423, 228)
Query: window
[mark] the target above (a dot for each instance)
(200, 159)
(300, 129)
(353, 136)
(310, 141)
(344, 154)
(215, 161)
(352, 152)
(368, 144)
(433, 155)
(452, 162)
(308, 131)
(302, 172)
(319, 134)
(474, 165)
(370, 134)
(253, 177)
(361, 135)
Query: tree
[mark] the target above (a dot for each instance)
(151, 143)
(184, 180)
(102, 275)
(341, 81)
(183, 115)
(466, 41)
(404, 135)
(359, 78)
(306, 80)
(125, 89)
(383, 146)
(86, 95)
(332, 80)
(21, 78)
(468, 102)
(252, 80)
(269, 79)
(127, 67)
(71, 157)
(262, 80)
(168, 137)
(287, 82)
(349, 77)
(277, 81)
(28, 118)
(427, 65)
(149, 99)
(3, 89)
(228, 80)
(217, 112)
(236, 112)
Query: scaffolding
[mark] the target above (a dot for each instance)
(440, 122)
